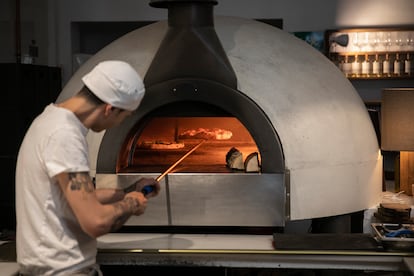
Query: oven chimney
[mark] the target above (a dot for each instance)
(191, 47)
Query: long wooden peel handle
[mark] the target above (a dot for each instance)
(179, 161)
(148, 189)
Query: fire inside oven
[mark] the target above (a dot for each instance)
(158, 142)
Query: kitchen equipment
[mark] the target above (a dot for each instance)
(305, 119)
(394, 236)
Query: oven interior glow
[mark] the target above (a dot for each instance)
(163, 140)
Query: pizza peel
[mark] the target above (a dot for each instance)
(167, 171)
(148, 189)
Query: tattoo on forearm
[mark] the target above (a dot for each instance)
(123, 210)
(81, 181)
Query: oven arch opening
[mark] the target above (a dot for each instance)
(170, 132)
(199, 98)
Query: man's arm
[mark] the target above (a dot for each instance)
(95, 218)
(106, 196)
(109, 196)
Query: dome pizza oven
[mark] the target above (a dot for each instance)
(284, 134)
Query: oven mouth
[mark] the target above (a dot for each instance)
(221, 143)
(188, 98)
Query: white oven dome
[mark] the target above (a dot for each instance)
(330, 147)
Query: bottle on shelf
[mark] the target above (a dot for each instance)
(356, 67)
(366, 67)
(397, 65)
(408, 65)
(386, 66)
(339, 61)
(376, 67)
(346, 67)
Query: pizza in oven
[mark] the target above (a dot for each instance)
(161, 145)
(205, 133)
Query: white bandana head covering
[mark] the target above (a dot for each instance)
(116, 83)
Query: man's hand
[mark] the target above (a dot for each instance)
(137, 202)
(133, 204)
(151, 185)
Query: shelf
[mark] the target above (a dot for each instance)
(362, 52)
(372, 53)
(365, 66)
(382, 78)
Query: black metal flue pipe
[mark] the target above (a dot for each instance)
(191, 47)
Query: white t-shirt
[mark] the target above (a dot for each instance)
(49, 239)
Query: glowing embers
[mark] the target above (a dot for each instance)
(161, 141)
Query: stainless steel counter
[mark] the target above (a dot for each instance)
(237, 251)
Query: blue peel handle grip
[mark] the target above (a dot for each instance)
(147, 189)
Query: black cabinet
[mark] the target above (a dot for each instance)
(26, 90)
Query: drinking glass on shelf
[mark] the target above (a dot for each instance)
(410, 41)
(363, 38)
(386, 40)
(355, 42)
(374, 40)
(398, 40)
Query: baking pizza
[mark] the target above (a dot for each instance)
(161, 145)
(205, 133)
